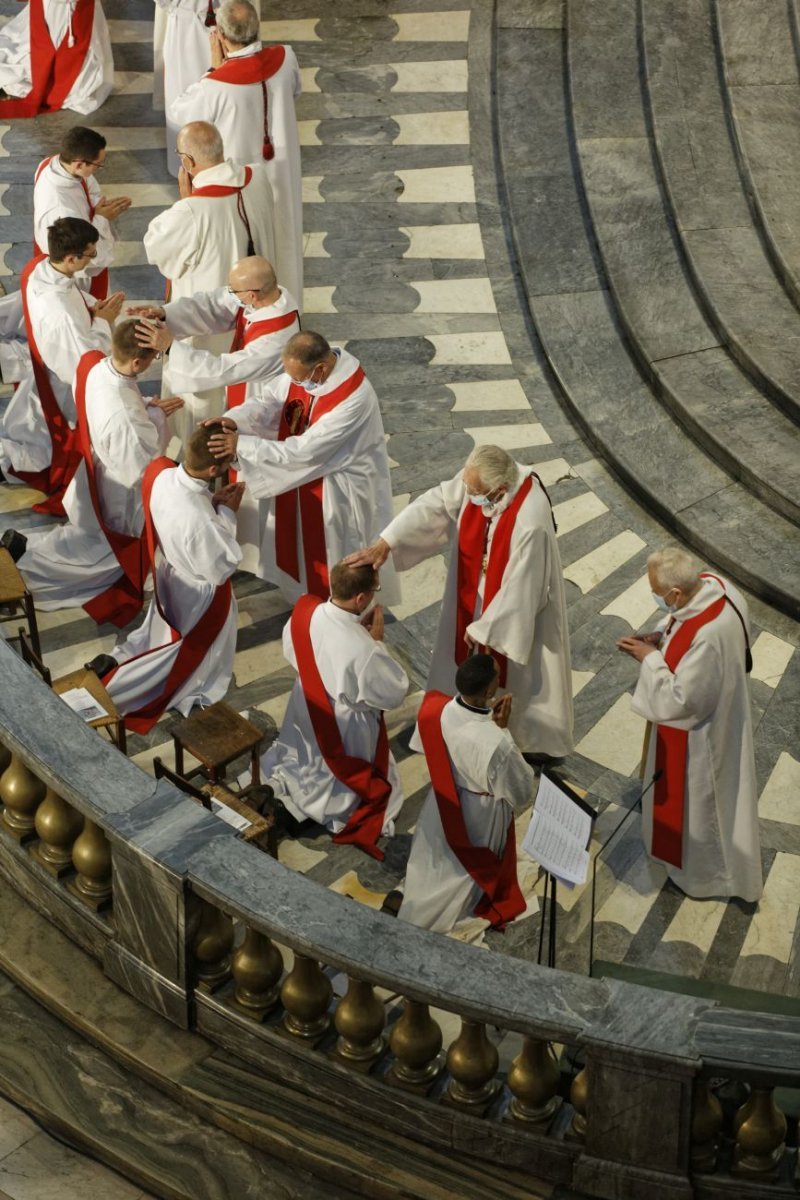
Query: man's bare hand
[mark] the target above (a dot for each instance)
(374, 555)
(470, 641)
(154, 337)
(501, 711)
(373, 622)
(230, 496)
(109, 310)
(111, 209)
(151, 312)
(225, 422)
(223, 445)
(217, 49)
(638, 648)
(167, 404)
(184, 183)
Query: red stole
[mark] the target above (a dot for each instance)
(98, 283)
(369, 780)
(215, 190)
(54, 69)
(254, 68)
(496, 876)
(302, 409)
(195, 644)
(473, 530)
(246, 332)
(53, 480)
(120, 602)
(671, 751)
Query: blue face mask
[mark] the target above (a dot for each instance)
(312, 385)
(661, 603)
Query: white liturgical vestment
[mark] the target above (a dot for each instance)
(66, 566)
(346, 448)
(492, 779)
(526, 620)
(708, 695)
(199, 551)
(96, 77)
(57, 193)
(362, 680)
(64, 330)
(182, 55)
(237, 110)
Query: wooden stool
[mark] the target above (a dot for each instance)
(16, 598)
(261, 831)
(215, 736)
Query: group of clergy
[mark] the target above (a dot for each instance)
(284, 473)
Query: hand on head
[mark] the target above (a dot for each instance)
(374, 555)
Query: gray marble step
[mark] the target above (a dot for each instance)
(698, 381)
(728, 264)
(579, 328)
(762, 91)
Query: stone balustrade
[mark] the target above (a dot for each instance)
(329, 999)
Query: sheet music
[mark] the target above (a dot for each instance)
(554, 803)
(558, 834)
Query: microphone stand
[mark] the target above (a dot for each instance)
(636, 807)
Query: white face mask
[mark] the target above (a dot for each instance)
(661, 603)
(484, 502)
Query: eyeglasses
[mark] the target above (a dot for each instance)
(182, 154)
(377, 588)
(92, 253)
(239, 291)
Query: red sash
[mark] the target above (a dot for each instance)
(99, 283)
(671, 751)
(473, 531)
(246, 332)
(496, 876)
(65, 456)
(120, 602)
(254, 68)
(369, 780)
(194, 644)
(301, 410)
(53, 69)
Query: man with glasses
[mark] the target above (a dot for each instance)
(65, 186)
(37, 444)
(331, 763)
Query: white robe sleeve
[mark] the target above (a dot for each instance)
(426, 525)
(508, 624)
(203, 313)
(131, 441)
(686, 697)
(171, 242)
(382, 683)
(194, 370)
(213, 547)
(61, 343)
(509, 776)
(259, 418)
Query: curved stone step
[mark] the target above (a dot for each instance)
(763, 94)
(741, 294)
(698, 381)
(585, 346)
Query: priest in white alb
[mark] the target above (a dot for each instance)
(313, 443)
(331, 763)
(249, 95)
(56, 54)
(65, 185)
(225, 213)
(181, 56)
(504, 590)
(700, 817)
(262, 316)
(463, 859)
(62, 323)
(94, 560)
(182, 653)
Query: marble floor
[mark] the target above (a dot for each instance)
(408, 264)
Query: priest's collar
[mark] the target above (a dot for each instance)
(246, 51)
(707, 594)
(471, 707)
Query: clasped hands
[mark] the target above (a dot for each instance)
(639, 645)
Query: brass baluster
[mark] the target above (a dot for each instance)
(472, 1062)
(579, 1098)
(5, 758)
(416, 1043)
(760, 1131)
(21, 793)
(706, 1126)
(359, 1020)
(211, 947)
(306, 995)
(58, 825)
(256, 967)
(533, 1081)
(91, 857)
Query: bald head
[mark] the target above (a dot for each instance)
(238, 22)
(201, 142)
(254, 274)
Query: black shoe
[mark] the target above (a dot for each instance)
(542, 760)
(392, 902)
(260, 798)
(284, 823)
(15, 543)
(101, 664)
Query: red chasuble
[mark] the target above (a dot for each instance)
(301, 410)
(254, 68)
(246, 332)
(669, 796)
(54, 69)
(53, 480)
(194, 644)
(369, 780)
(496, 876)
(99, 283)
